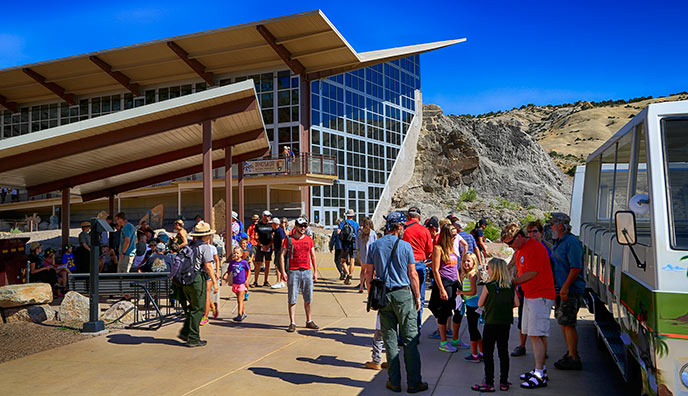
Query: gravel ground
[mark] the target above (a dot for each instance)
(20, 339)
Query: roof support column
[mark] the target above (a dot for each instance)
(179, 201)
(267, 197)
(305, 140)
(240, 180)
(65, 216)
(111, 205)
(228, 201)
(208, 172)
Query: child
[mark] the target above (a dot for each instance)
(378, 345)
(469, 292)
(498, 298)
(68, 258)
(239, 269)
(246, 255)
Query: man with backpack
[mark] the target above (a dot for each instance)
(393, 262)
(190, 269)
(297, 257)
(347, 236)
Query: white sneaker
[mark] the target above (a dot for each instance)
(277, 285)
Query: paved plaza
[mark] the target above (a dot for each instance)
(258, 357)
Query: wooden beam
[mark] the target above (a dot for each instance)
(134, 165)
(11, 106)
(193, 63)
(126, 134)
(51, 86)
(281, 50)
(168, 176)
(117, 76)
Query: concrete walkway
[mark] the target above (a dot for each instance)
(258, 357)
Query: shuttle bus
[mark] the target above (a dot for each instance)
(634, 229)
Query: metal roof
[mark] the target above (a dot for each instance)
(307, 42)
(136, 147)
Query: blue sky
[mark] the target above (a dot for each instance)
(518, 52)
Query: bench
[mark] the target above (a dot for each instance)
(153, 288)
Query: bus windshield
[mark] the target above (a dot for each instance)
(675, 137)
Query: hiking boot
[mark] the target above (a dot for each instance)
(447, 347)
(312, 325)
(198, 343)
(568, 363)
(392, 387)
(373, 366)
(291, 328)
(519, 351)
(423, 386)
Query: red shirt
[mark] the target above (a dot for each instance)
(419, 237)
(300, 254)
(533, 257)
(251, 232)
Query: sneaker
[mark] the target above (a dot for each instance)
(347, 280)
(214, 311)
(246, 296)
(472, 358)
(435, 335)
(291, 328)
(242, 317)
(568, 363)
(277, 285)
(449, 333)
(519, 351)
(204, 321)
(447, 347)
(392, 387)
(312, 325)
(459, 344)
(198, 343)
(481, 357)
(373, 366)
(342, 276)
(237, 318)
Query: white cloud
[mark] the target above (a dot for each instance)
(11, 50)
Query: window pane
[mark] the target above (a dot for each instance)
(676, 154)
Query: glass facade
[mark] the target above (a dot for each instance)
(361, 118)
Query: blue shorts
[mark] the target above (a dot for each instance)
(300, 281)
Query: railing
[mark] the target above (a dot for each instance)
(302, 164)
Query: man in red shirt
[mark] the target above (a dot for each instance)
(298, 254)
(537, 282)
(421, 241)
(251, 232)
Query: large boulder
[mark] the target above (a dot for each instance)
(122, 310)
(74, 308)
(32, 313)
(25, 294)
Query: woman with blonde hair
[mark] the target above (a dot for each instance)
(499, 298)
(443, 295)
(469, 293)
(365, 237)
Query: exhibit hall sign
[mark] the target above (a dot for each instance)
(264, 166)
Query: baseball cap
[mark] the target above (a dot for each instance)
(276, 220)
(413, 210)
(160, 246)
(301, 221)
(482, 222)
(559, 217)
(267, 213)
(395, 218)
(431, 222)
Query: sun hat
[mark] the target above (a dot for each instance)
(350, 213)
(160, 246)
(235, 215)
(202, 229)
(394, 218)
(276, 220)
(301, 221)
(180, 222)
(255, 217)
(267, 213)
(85, 224)
(34, 245)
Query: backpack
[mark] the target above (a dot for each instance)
(348, 234)
(183, 269)
(377, 292)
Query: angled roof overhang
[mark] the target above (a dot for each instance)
(138, 147)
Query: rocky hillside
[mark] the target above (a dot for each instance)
(482, 168)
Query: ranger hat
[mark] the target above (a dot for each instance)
(201, 229)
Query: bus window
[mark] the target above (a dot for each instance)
(623, 158)
(606, 186)
(676, 156)
(640, 182)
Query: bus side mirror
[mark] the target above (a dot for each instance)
(625, 228)
(626, 235)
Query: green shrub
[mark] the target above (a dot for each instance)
(503, 203)
(468, 196)
(15, 231)
(491, 232)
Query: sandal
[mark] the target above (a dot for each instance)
(526, 376)
(266, 284)
(483, 387)
(534, 382)
(504, 386)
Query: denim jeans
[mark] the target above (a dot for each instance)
(421, 269)
(401, 312)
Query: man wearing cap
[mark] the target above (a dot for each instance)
(278, 236)
(393, 261)
(347, 231)
(158, 261)
(127, 247)
(567, 257)
(422, 244)
(535, 278)
(193, 296)
(264, 234)
(297, 258)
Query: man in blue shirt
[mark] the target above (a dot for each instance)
(401, 282)
(567, 257)
(348, 229)
(472, 245)
(127, 247)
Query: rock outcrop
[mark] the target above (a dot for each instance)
(509, 171)
(25, 294)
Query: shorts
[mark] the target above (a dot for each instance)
(241, 287)
(262, 255)
(535, 321)
(348, 252)
(300, 281)
(567, 311)
(124, 264)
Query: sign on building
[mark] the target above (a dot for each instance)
(264, 166)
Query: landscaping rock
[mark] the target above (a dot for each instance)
(74, 308)
(118, 309)
(25, 294)
(32, 313)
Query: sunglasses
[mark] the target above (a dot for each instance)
(512, 240)
(533, 231)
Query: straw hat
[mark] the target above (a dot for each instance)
(85, 224)
(202, 229)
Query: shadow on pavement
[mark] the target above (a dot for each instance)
(301, 379)
(345, 337)
(331, 361)
(127, 339)
(247, 325)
